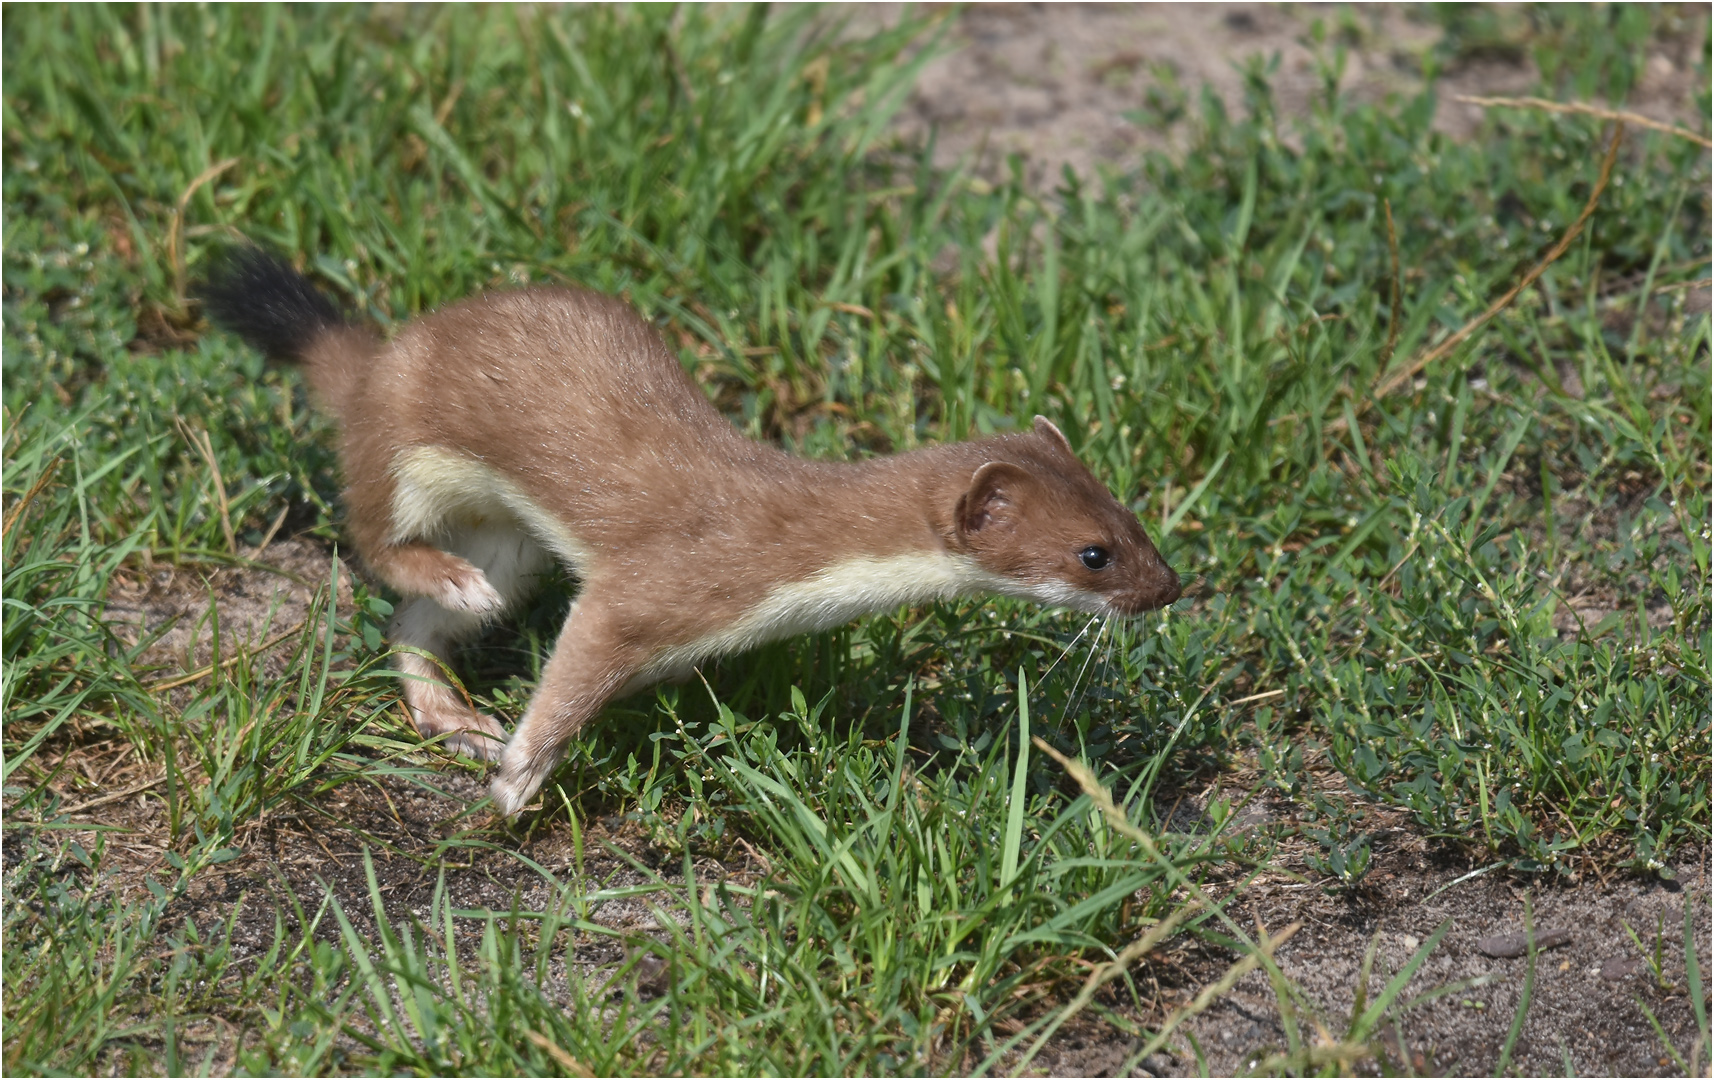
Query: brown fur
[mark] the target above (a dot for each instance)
(682, 526)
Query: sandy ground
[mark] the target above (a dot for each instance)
(1054, 82)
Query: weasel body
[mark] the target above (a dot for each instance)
(510, 430)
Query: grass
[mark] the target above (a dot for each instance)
(1391, 587)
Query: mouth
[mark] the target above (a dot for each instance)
(1055, 594)
(1136, 605)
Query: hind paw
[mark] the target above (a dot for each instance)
(466, 731)
(465, 588)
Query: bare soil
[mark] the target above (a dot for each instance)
(264, 597)
(1585, 994)
(1068, 84)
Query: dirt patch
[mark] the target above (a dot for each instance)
(406, 829)
(1587, 996)
(262, 599)
(1054, 83)
(1591, 983)
(412, 833)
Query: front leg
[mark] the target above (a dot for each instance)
(591, 661)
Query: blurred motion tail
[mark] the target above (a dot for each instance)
(276, 310)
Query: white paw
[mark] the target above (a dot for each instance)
(470, 591)
(482, 745)
(510, 795)
(515, 784)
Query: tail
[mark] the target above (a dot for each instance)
(276, 310)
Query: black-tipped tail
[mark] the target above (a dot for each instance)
(263, 300)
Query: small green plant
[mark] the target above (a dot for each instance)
(1653, 955)
(1345, 859)
(1701, 1054)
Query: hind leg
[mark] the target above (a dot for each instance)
(436, 708)
(454, 583)
(427, 560)
(507, 562)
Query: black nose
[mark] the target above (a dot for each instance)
(1166, 590)
(1171, 588)
(1157, 593)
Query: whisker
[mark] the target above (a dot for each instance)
(1107, 659)
(1042, 678)
(1106, 668)
(1094, 647)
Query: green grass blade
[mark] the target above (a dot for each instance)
(1014, 839)
(1369, 1022)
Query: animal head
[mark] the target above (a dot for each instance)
(1039, 518)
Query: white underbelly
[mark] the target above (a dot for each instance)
(438, 493)
(833, 597)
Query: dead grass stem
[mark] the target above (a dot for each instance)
(1389, 383)
(1578, 108)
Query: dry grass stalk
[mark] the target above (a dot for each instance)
(1122, 824)
(1392, 382)
(571, 1065)
(126, 793)
(1341, 1054)
(1214, 992)
(1580, 109)
(1107, 972)
(205, 672)
(175, 230)
(204, 447)
(25, 499)
(1397, 293)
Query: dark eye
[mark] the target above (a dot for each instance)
(1094, 557)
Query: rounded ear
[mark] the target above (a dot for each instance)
(1046, 429)
(992, 498)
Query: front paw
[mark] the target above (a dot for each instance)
(515, 785)
(510, 794)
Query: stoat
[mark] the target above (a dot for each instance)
(515, 428)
